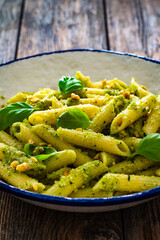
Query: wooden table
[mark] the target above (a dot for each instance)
(33, 26)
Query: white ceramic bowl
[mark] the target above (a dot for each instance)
(43, 71)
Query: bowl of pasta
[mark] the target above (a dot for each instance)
(80, 130)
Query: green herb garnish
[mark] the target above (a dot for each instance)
(14, 112)
(69, 84)
(39, 152)
(72, 119)
(149, 147)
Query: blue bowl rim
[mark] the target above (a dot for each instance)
(85, 202)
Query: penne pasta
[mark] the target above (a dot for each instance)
(76, 178)
(19, 180)
(97, 101)
(9, 140)
(50, 116)
(59, 160)
(132, 142)
(50, 136)
(133, 112)
(85, 80)
(19, 97)
(103, 117)
(18, 161)
(95, 91)
(139, 90)
(56, 175)
(131, 166)
(128, 183)
(24, 133)
(89, 193)
(95, 141)
(82, 156)
(109, 159)
(149, 172)
(152, 123)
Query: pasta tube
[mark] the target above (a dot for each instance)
(103, 117)
(129, 183)
(59, 160)
(157, 172)
(129, 167)
(152, 123)
(19, 180)
(132, 142)
(95, 141)
(42, 94)
(95, 91)
(108, 159)
(76, 178)
(97, 101)
(55, 102)
(56, 175)
(47, 103)
(24, 133)
(94, 95)
(132, 113)
(149, 172)
(50, 136)
(19, 97)
(89, 193)
(50, 116)
(141, 92)
(85, 80)
(115, 81)
(8, 140)
(18, 160)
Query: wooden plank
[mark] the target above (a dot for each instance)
(9, 23)
(151, 12)
(143, 221)
(10, 12)
(25, 221)
(56, 25)
(134, 26)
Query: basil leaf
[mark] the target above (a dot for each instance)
(69, 84)
(72, 119)
(45, 152)
(149, 147)
(14, 112)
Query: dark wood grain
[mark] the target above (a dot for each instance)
(56, 24)
(10, 12)
(27, 222)
(151, 13)
(145, 219)
(134, 26)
